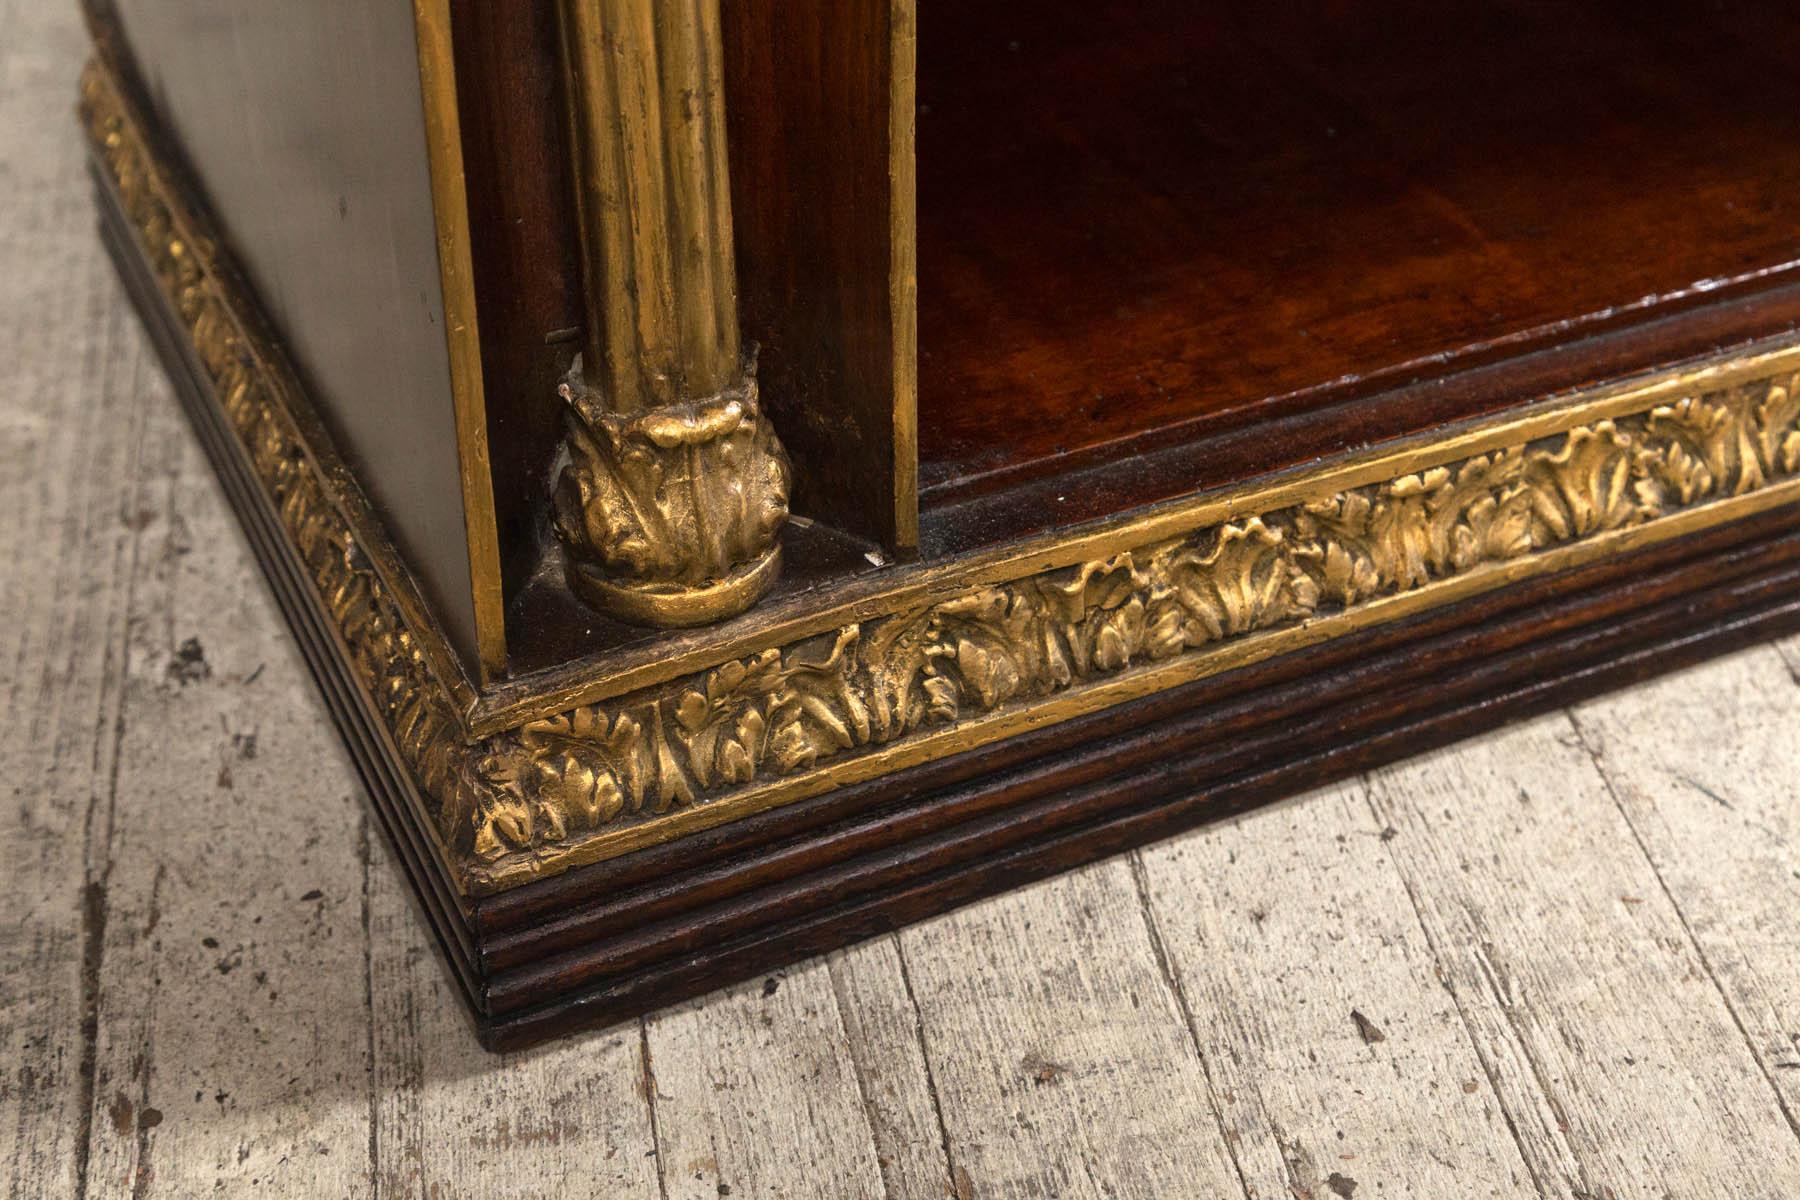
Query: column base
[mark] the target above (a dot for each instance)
(672, 606)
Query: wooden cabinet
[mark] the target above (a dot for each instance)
(750, 472)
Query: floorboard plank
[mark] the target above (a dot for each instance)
(233, 1047)
(67, 529)
(1311, 990)
(1061, 1061)
(886, 1046)
(1789, 650)
(1705, 765)
(755, 1091)
(1609, 1047)
(69, 418)
(452, 1120)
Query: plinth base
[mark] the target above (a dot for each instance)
(670, 606)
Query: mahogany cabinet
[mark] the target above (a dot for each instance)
(750, 473)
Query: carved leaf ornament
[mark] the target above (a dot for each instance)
(784, 711)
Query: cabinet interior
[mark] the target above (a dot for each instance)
(1150, 224)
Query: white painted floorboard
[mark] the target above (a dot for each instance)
(1560, 961)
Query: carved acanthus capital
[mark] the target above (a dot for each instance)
(675, 487)
(671, 515)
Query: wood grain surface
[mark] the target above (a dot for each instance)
(1130, 226)
(1561, 960)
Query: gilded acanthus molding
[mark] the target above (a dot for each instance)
(963, 670)
(789, 710)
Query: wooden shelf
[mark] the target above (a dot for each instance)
(1168, 220)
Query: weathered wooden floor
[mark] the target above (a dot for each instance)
(1560, 961)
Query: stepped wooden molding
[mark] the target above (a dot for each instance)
(1183, 592)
